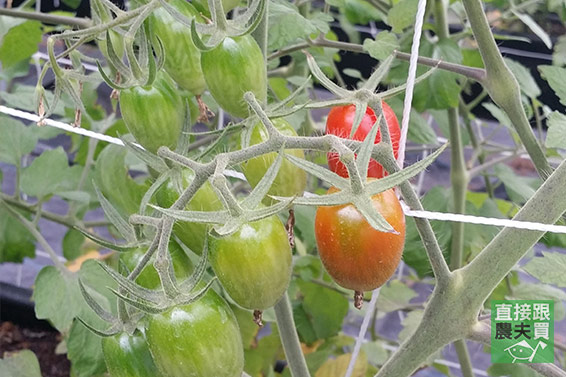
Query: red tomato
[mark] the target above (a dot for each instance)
(339, 123)
(356, 255)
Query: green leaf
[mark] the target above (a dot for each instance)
(410, 323)
(441, 119)
(556, 77)
(72, 243)
(402, 15)
(57, 297)
(548, 269)
(304, 225)
(524, 78)
(556, 135)
(16, 242)
(535, 28)
(84, 350)
(444, 90)
(286, 25)
(383, 45)
(414, 254)
(20, 43)
(20, 364)
(519, 189)
(360, 12)
(259, 360)
(537, 291)
(559, 55)
(47, 174)
(337, 367)
(394, 296)
(23, 97)
(325, 308)
(515, 370)
(498, 114)
(112, 178)
(17, 140)
(419, 129)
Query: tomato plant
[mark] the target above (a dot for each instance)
(233, 68)
(357, 256)
(290, 180)
(253, 264)
(339, 123)
(182, 58)
(128, 356)
(191, 234)
(228, 5)
(199, 339)
(153, 114)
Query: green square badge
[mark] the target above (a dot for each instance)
(522, 331)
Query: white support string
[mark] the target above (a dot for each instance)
(479, 220)
(419, 19)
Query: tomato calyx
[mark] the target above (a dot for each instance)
(205, 114)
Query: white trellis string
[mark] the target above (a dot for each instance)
(443, 216)
(419, 20)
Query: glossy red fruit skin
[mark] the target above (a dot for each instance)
(357, 256)
(339, 123)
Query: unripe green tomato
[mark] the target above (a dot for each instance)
(201, 339)
(290, 180)
(149, 278)
(254, 264)
(202, 6)
(128, 356)
(182, 57)
(205, 199)
(234, 67)
(153, 114)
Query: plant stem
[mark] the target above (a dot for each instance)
(502, 85)
(459, 180)
(289, 337)
(82, 23)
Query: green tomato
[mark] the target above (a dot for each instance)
(202, 6)
(182, 57)
(290, 180)
(153, 114)
(149, 278)
(205, 199)
(128, 356)
(253, 264)
(201, 339)
(234, 67)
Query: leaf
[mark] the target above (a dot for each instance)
(535, 28)
(337, 367)
(414, 254)
(402, 15)
(20, 43)
(72, 242)
(16, 242)
(498, 114)
(17, 140)
(524, 78)
(260, 358)
(444, 89)
(537, 291)
(419, 129)
(519, 189)
(325, 308)
(410, 324)
(304, 225)
(556, 77)
(394, 296)
(47, 174)
(548, 269)
(20, 364)
(559, 55)
(23, 97)
(112, 178)
(286, 25)
(383, 45)
(360, 12)
(84, 350)
(556, 135)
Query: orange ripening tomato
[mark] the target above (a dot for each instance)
(357, 256)
(339, 123)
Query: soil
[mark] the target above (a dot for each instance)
(14, 338)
